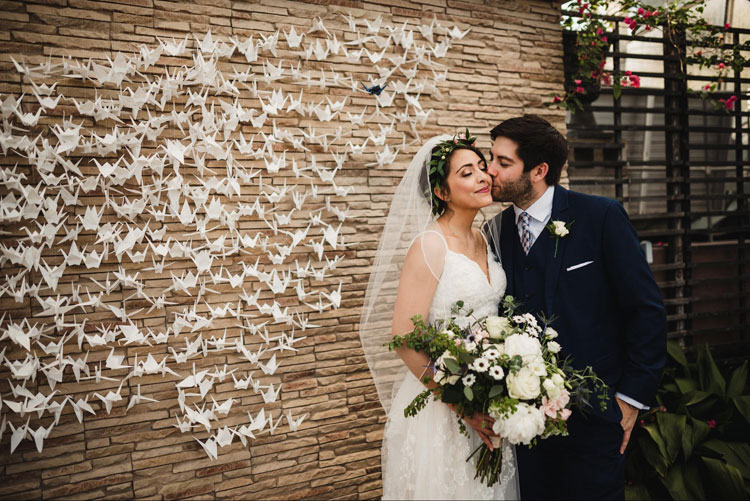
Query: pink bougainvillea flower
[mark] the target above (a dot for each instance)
(580, 90)
(640, 11)
(655, 13)
(727, 26)
(556, 99)
(604, 39)
(578, 82)
(722, 66)
(699, 53)
(635, 81)
(599, 31)
(711, 423)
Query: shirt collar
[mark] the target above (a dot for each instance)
(541, 210)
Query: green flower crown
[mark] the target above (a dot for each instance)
(439, 164)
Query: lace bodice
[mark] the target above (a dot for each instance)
(463, 280)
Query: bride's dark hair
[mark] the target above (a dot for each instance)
(437, 169)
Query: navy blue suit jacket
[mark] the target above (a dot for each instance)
(609, 313)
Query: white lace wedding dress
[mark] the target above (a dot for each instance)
(424, 457)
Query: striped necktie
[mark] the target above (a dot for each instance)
(523, 224)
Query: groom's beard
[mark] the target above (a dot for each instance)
(517, 192)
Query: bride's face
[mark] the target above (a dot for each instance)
(469, 185)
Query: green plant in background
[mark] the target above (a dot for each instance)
(710, 47)
(696, 444)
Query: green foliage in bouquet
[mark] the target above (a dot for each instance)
(506, 367)
(696, 444)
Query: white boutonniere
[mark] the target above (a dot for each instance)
(558, 230)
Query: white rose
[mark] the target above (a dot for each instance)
(563, 231)
(449, 332)
(553, 391)
(537, 367)
(550, 333)
(521, 426)
(553, 347)
(497, 327)
(527, 347)
(523, 385)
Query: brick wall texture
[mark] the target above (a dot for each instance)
(507, 65)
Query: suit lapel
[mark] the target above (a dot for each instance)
(506, 243)
(560, 212)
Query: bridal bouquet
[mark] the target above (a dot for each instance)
(505, 366)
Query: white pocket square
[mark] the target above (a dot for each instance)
(581, 265)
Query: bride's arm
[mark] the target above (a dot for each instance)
(416, 290)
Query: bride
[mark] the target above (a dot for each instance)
(429, 257)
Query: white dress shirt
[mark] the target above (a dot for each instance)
(541, 212)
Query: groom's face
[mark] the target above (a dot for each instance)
(509, 182)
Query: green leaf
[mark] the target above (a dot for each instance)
(451, 394)
(686, 385)
(672, 427)
(708, 373)
(653, 454)
(695, 433)
(637, 492)
(468, 393)
(465, 357)
(736, 454)
(695, 397)
(725, 480)
(452, 365)
(675, 351)
(743, 406)
(738, 381)
(675, 483)
(694, 481)
(496, 390)
(616, 91)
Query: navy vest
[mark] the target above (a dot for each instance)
(528, 272)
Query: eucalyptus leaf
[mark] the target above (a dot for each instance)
(496, 390)
(468, 393)
(452, 365)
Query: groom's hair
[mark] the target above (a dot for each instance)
(538, 141)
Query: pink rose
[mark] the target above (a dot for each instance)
(565, 414)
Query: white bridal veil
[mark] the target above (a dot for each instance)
(409, 216)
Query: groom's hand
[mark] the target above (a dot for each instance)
(629, 417)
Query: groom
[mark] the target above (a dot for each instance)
(596, 283)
